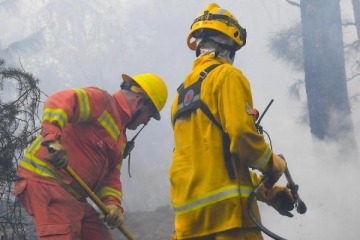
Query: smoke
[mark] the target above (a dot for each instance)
(81, 43)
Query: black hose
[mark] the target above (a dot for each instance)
(252, 215)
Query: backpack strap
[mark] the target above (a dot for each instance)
(226, 141)
(189, 100)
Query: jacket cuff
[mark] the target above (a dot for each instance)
(50, 138)
(113, 201)
(50, 132)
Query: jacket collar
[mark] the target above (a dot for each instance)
(208, 60)
(123, 107)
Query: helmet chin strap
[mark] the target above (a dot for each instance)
(137, 113)
(134, 117)
(129, 147)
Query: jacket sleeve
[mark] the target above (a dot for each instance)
(236, 115)
(70, 106)
(110, 191)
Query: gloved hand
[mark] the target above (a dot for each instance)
(280, 198)
(57, 154)
(115, 216)
(275, 169)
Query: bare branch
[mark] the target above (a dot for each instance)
(348, 23)
(19, 124)
(293, 3)
(353, 77)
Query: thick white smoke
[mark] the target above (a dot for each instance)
(81, 43)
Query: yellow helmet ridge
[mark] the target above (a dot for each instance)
(218, 19)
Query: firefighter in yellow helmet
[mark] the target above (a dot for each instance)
(216, 141)
(84, 128)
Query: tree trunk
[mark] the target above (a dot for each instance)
(356, 9)
(325, 78)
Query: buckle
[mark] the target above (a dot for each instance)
(203, 74)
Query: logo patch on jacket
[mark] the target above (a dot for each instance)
(189, 96)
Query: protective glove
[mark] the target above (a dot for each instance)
(115, 216)
(280, 198)
(275, 169)
(57, 154)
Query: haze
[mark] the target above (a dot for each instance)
(70, 44)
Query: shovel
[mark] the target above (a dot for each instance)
(97, 201)
(92, 195)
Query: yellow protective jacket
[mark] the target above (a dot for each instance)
(203, 196)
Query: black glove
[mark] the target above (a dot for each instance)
(275, 170)
(57, 154)
(280, 198)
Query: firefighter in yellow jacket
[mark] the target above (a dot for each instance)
(216, 141)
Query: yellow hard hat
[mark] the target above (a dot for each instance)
(153, 86)
(218, 19)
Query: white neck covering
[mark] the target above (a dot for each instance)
(211, 47)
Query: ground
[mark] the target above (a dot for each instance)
(156, 225)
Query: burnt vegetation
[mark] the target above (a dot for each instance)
(19, 123)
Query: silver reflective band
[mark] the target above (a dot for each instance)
(213, 197)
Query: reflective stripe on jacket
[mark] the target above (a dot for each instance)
(212, 197)
(205, 200)
(91, 125)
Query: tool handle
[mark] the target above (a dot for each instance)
(97, 201)
(299, 204)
